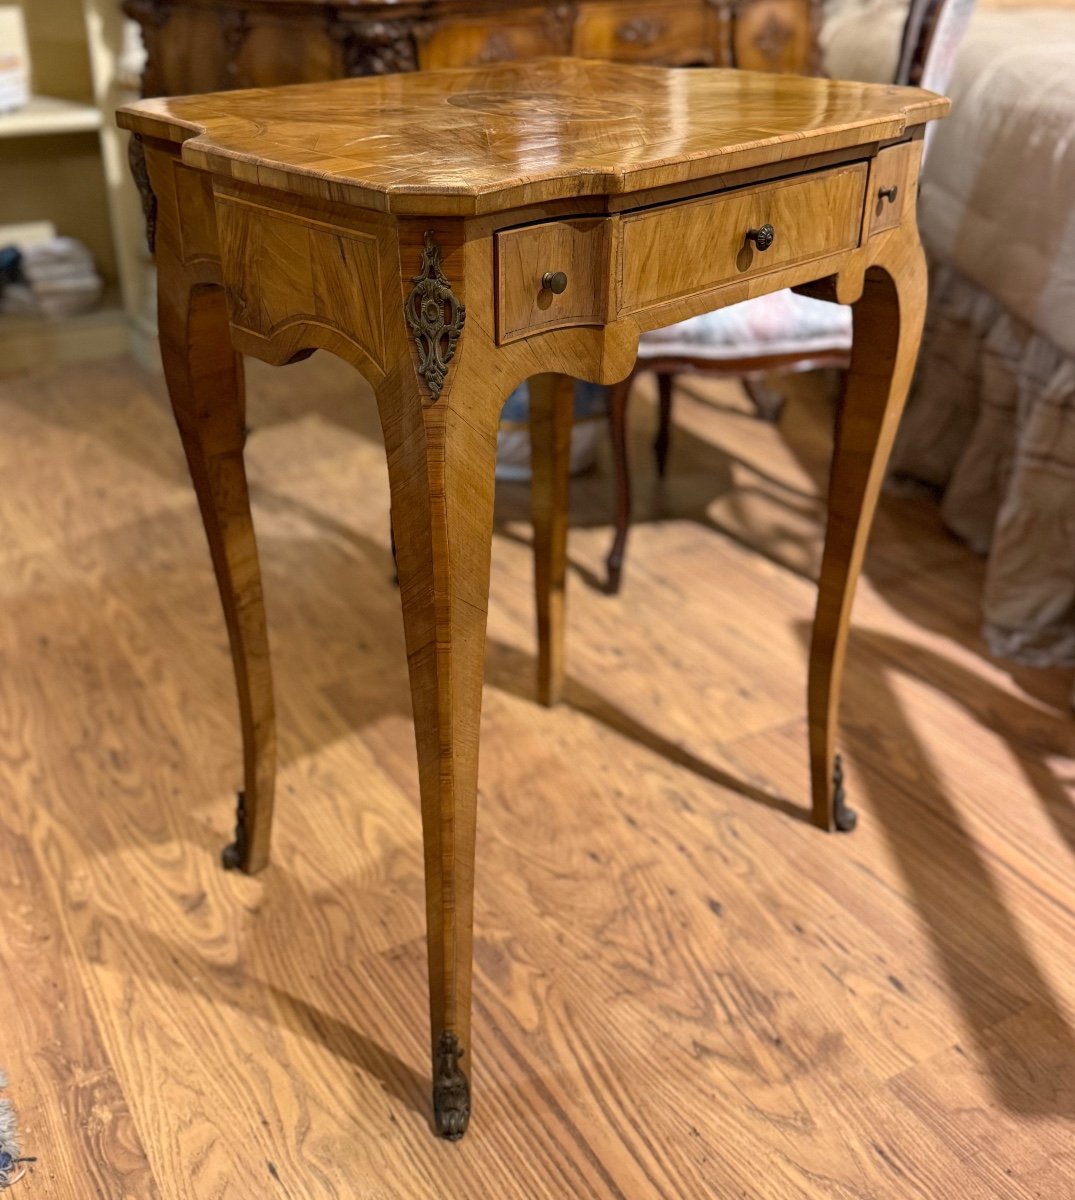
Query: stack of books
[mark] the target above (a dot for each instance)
(14, 59)
(42, 275)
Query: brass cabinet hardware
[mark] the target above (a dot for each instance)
(762, 237)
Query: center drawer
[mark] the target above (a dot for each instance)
(676, 250)
(557, 274)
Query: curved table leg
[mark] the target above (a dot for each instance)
(552, 405)
(887, 329)
(205, 383)
(443, 522)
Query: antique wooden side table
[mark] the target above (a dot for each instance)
(453, 233)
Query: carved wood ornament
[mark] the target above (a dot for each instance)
(772, 38)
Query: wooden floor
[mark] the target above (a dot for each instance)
(682, 989)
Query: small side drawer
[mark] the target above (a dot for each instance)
(672, 34)
(577, 248)
(893, 186)
(681, 249)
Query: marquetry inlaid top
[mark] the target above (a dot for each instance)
(497, 137)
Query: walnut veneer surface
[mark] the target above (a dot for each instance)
(473, 141)
(390, 221)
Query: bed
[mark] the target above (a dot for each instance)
(991, 418)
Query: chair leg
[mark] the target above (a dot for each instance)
(552, 403)
(621, 470)
(768, 401)
(664, 422)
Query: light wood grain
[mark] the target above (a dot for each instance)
(579, 248)
(884, 1015)
(896, 168)
(812, 216)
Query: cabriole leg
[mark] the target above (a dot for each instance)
(887, 329)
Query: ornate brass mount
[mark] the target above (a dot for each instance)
(451, 1092)
(233, 855)
(845, 819)
(435, 316)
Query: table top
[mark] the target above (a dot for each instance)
(482, 140)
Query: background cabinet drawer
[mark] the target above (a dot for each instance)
(473, 41)
(774, 35)
(811, 216)
(578, 248)
(675, 34)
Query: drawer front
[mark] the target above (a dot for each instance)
(474, 41)
(675, 34)
(893, 186)
(681, 249)
(579, 249)
(773, 35)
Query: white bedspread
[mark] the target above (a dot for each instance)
(998, 187)
(991, 415)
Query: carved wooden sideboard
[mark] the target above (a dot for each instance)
(211, 45)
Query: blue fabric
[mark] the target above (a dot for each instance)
(591, 400)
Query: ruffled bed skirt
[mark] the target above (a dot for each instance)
(991, 422)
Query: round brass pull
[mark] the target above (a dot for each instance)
(889, 193)
(555, 282)
(762, 238)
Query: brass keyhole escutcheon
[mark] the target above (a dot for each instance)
(555, 282)
(888, 193)
(762, 237)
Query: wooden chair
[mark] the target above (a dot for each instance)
(782, 331)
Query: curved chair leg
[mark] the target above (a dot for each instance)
(887, 328)
(552, 404)
(205, 383)
(621, 471)
(665, 381)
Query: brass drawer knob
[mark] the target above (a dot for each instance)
(762, 238)
(889, 193)
(555, 282)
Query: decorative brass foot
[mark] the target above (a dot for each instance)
(234, 853)
(845, 819)
(451, 1092)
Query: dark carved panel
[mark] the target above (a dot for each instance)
(376, 47)
(152, 16)
(234, 26)
(136, 158)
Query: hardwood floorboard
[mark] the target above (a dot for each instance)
(682, 989)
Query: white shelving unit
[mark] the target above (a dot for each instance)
(46, 114)
(63, 160)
